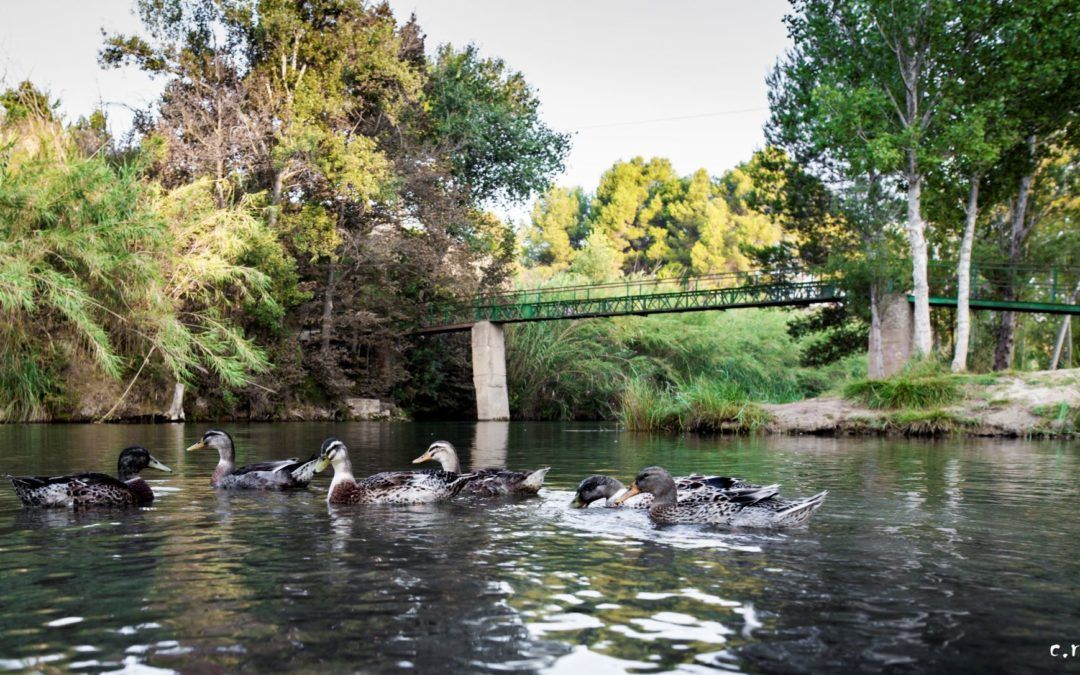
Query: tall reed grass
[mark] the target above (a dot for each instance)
(639, 370)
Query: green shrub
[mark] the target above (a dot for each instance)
(1061, 418)
(922, 385)
(647, 407)
(701, 405)
(583, 369)
(926, 422)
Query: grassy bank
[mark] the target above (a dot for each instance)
(701, 405)
(688, 371)
(925, 400)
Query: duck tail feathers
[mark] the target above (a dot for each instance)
(306, 471)
(801, 510)
(535, 479)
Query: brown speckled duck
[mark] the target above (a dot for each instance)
(719, 507)
(487, 482)
(93, 489)
(597, 487)
(388, 487)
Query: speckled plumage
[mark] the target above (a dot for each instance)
(491, 482)
(388, 487)
(596, 487)
(399, 487)
(92, 489)
(275, 475)
(735, 507)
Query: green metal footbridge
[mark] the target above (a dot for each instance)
(1041, 290)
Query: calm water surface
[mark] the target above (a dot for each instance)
(954, 555)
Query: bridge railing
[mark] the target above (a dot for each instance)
(643, 286)
(1033, 284)
(1036, 289)
(640, 295)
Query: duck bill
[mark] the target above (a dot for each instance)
(155, 464)
(426, 457)
(578, 502)
(321, 464)
(198, 446)
(634, 490)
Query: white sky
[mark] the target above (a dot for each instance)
(598, 65)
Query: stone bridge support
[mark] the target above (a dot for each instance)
(489, 371)
(894, 344)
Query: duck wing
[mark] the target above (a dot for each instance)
(81, 489)
(268, 467)
(696, 481)
(739, 497)
(284, 473)
(413, 487)
(497, 482)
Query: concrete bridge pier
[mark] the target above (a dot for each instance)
(897, 318)
(489, 371)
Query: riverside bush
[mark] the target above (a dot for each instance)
(627, 367)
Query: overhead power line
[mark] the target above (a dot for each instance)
(671, 119)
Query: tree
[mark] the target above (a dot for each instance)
(558, 227)
(365, 156)
(486, 116)
(876, 71)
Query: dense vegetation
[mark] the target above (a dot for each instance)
(309, 182)
(314, 179)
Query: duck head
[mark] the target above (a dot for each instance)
(135, 459)
(218, 440)
(443, 453)
(655, 480)
(594, 488)
(334, 452)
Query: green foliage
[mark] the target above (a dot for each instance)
(935, 422)
(558, 228)
(1060, 418)
(923, 385)
(95, 268)
(701, 405)
(585, 369)
(565, 369)
(489, 115)
(26, 102)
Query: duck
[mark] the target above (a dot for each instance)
(740, 508)
(487, 482)
(597, 487)
(93, 489)
(279, 475)
(388, 487)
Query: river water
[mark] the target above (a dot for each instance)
(951, 555)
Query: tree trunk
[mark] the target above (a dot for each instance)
(176, 408)
(923, 341)
(328, 310)
(1006, 344)
(963, 281)
(875, 358)
(1064, 330)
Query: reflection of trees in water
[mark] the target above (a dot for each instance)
(389, 584)
(97, 565)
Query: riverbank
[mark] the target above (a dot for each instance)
(1014, 405)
